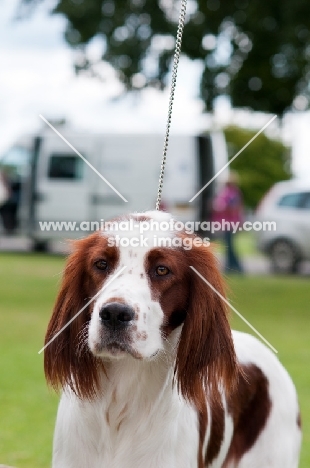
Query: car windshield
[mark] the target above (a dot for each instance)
(295, 200)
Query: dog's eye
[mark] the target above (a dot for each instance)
(162, 270)
(101, 264)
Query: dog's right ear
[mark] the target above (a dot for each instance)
(66, 361)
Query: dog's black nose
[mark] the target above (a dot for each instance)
(116, 315)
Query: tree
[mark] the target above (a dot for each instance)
(255, 52)
(259, 166)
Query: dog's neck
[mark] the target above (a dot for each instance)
(137, 384)
(130, 376)
(138, 401)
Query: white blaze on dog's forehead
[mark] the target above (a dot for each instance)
(143, 232)
(157, 215)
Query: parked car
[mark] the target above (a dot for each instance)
(288, 205)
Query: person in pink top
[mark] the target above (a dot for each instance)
(228, 210)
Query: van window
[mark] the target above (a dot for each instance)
(65, 166)
(291, 200)
(306, 201)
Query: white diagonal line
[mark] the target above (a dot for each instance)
(83, 308)
(235, 310)
(233, 158)
(82, 157)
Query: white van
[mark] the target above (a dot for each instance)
(49, 182)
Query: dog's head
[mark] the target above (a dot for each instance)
(144, 299)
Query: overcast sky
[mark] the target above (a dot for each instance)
(37, 77)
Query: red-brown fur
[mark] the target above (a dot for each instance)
(64, 363)
(216, 432)
(249, 406)
(206, 355)
(206, 368)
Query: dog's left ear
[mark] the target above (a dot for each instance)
(205, 356)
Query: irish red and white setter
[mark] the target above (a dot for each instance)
(152, 375)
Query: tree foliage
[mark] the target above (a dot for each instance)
(263, 163)
(256, 52)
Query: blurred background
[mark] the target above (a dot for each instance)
(99, 71)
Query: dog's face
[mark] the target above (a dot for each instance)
(137, 310)
(147, 300)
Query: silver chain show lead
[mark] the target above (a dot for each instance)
(171, 99)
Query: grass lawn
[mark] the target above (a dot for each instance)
(277, 307)
(245, 243)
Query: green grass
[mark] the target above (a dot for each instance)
(28, 284)
(278, 307)
(245, 243)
